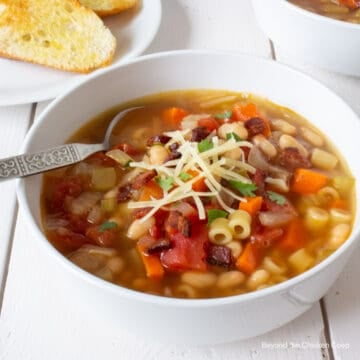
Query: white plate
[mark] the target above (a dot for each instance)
(22, 82)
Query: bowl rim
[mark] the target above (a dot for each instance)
(157, 299)
(320, 17)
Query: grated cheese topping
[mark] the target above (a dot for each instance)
(211, 164)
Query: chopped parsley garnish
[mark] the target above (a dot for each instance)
(205, 145)
(213, 214)
(244, 188)
(166, 183)
(233, 136)
(277, 198)
(107, 225)
(224, 115)
(185, 176)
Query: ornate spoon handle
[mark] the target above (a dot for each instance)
(30, 164)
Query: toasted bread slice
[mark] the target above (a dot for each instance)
(58, 33)
(109, 7)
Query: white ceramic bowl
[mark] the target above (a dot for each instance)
(201, 321)
(320, 40)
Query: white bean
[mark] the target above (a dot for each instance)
(257, 278)
(158, 154)
(312, 137)
(230, 279)
(199, 280)
(139, 228)
(283, 126)
(236, 128)
(265, 145)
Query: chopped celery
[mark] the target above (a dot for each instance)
(103, 179)
(119, 156)
(343, 184)
(108, 205)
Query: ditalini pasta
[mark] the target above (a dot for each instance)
(202, 194)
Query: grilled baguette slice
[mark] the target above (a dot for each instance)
(109, 7)
(57, 33)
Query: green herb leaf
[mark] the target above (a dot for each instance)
(185, 176)
(107, 225)
(276, 198)
(244, 188)
(205, 145)
(166, 183)
(213, 214)
(224, 115)
(233, 136)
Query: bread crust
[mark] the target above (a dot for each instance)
(110, 7)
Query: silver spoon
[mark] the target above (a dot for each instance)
(56, 157)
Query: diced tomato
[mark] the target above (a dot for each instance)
(71, 186)
(187, 253)
(102, 238)
(266, 237)
(69, 240)
(210, 123)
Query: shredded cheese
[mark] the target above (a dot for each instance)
(211, 165)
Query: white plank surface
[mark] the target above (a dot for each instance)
(38, 319)
(14, 122)
(342, 303)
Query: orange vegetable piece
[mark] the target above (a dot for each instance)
(352, 4)
(307, 181)
(249, 259)
(174, 115)
(252, 204)
(339, 204)
(198, 185)
(294, 237)
(244, 112)
(152, 263)
(151, 190)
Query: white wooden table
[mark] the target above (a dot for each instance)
(38, 320)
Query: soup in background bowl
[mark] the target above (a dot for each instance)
(346, 10)
(203, 194)
(221, 318)
(310, 37)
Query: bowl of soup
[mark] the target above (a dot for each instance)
(325, 33)
(224, 207)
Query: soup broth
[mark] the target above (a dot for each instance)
(345, 10)
(203, 194)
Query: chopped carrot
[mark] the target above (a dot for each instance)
(244, 112)
(352, 4)
(307, 181)
(294, 237)
(198, 185)
(152, 263)
(249, 259)
(174, 115)
(339, 204)
(252, 205)
(151, 190)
